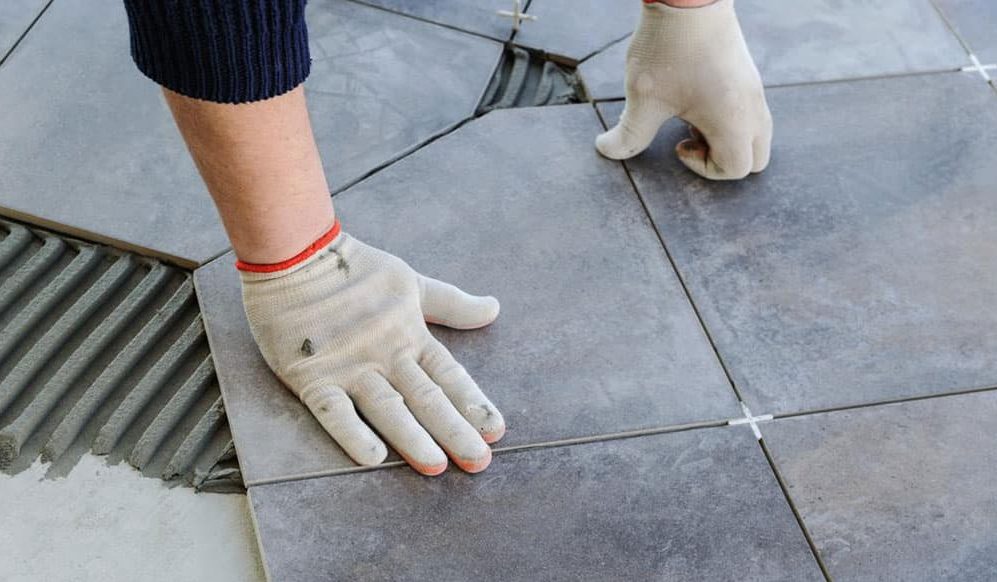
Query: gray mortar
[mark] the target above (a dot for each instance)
(527, 79)
(55, 389)
(13, 245)
(196, 440)
(171, 414)
(106, 349)
(113, 375)
(149, 386)
(71, 321)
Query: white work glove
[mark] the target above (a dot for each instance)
(345, 330)
(694, 63)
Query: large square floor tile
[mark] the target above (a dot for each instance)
(575, 29)
(899, 492)
(860, 266)
(478, 16)
(596, 335)
(798, 41)
(88, 144)
(976, 22)
(382, 83)
(698, 505)
(15, 18)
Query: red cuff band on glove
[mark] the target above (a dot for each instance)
(313, 248)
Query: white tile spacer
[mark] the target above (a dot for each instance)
(978, 67)
(517, 14)
(751, 420)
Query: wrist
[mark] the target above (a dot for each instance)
(327, 238)
(681, 3)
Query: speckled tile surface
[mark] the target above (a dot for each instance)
(803, 41)
(596, 335)
(903, 491)
(697, 505)
(859, 267)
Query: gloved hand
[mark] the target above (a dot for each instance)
(694, 63)
(344, 329)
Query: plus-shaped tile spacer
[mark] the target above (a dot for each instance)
(978, 67)
(751, 420)
(517, 14)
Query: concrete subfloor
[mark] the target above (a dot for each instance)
(108, 522)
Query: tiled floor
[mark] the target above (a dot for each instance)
(701, 505)
(576, 29)
(861, 266)
(644, 309)
(15, 17)
(821, 40)
(97, 153)
(596, 335)
(975, 21)
(477, 16)
(905, 489)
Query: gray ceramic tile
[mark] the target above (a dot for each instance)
(93, 149)
(603, 74)
(857, 268)
(478, 16)
(797, 41)
(596, 335)
(382, 83)
(88, 144)
(975, 21)
(575, 29)
(897, 492)
(699, 505)
(15, 18)
(273, 432)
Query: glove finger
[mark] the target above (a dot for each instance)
(437, 414)
(640, 122)
(761, 148)
(462, 391)
(725, 157)
(385, 409)
(444, 304)
(334, 410)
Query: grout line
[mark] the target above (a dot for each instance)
(432, 22)
(507, 450)
(404, 154)
(880, 77)
(213, 258)
(613, 436)
(844, 80)
(795, 510)
(951, 26)
(675, 269)
(604, 49)
(13, 47)
(748, 419)
(965, 45)
(845, 407)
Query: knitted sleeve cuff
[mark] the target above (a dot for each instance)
(226, 51)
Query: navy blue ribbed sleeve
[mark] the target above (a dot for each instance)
(227, 51)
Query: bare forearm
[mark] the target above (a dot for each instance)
(262, 167)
